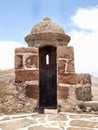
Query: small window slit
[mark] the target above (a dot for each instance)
(47, 59)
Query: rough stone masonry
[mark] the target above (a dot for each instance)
(46, 69)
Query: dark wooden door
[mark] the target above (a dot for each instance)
(47, 77)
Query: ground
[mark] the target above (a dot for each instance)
(60, 121)
(52, 121)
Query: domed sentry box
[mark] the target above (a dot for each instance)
(46, 67)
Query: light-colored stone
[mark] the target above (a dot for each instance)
(72, 128)
(16, 124)
(84, 123)
(42, 128)
(50, 111)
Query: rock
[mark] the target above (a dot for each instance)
(42, 128)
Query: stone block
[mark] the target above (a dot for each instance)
(65, 66)
(70, 66)
(84, 93)
(68, 78)
(84, 123)
(26, 50)
(26, 75)
(31, 91)
(18, 61)
(78, 128)
(84, 78)
(62, 93)
(65, 52)
(31, 61)
(61, 67)
(42, 128)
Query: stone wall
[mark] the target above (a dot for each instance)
(72, 88)
(15, 97)
(26, 64)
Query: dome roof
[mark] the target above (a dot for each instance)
(47, 26)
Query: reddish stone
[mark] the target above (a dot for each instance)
(70, 67)
(65, 67)
(74, 78)
(65, 52)
(68, 78)
(61, 67)
(31, 61)
(31, 91)
(18, 61)
(63, 92)
(26, 75)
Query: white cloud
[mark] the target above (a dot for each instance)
(85, 40)
(7, 49)
(87, 19)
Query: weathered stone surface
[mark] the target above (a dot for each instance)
(42, 128)
(63, 92)
(26, 64)
(13, 97)
(89, 106)
(58, 117)
(52, 121)
(31, 91)
(84, 93)
(67, 78)
(47, 30)
(70, 66)
(82, 123)
(16, 124)
(65, 66)
(31, 61)
(72, 128)
(18, 61)
(44, 39)
(26, 75)
(59, 124)
(24, 50)
(61, 67)
(47, 25)
(65, 52)
(84, 79)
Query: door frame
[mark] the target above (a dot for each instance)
(55, 65)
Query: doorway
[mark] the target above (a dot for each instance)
(47, 77)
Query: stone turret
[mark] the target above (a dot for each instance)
(47, 30)
(47, 68)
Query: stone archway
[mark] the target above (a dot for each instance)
(47, 77)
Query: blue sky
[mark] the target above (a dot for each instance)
(17, 17)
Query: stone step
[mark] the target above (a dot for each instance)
(50, 111)
(89, 106)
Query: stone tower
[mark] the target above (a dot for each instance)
(46, 67)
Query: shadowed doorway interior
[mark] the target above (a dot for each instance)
(47, 77)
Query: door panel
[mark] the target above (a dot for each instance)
(47, 77)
